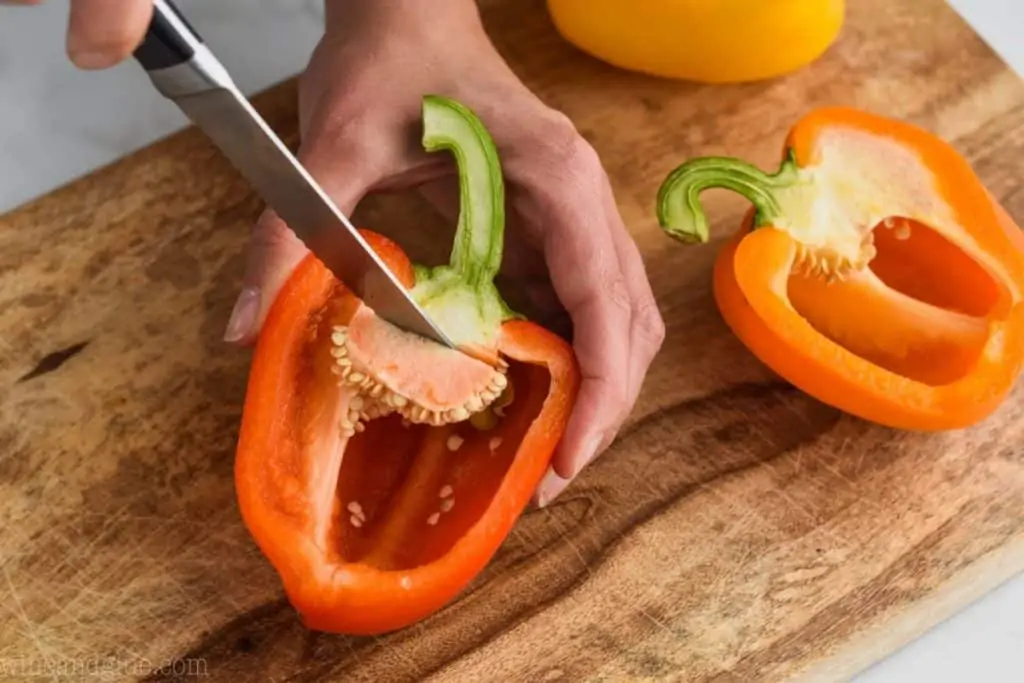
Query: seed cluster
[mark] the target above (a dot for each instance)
(827, 263)
(488, 418)
(375, 399)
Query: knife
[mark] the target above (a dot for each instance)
(184, 71)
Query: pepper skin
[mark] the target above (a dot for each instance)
(708, 41)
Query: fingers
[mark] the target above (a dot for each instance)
(101, 33)
(598, 274)
(595, 294)
(341, 169)
(647, 329)
(586, 274)
(274, 251)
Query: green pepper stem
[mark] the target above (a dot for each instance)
(461, 296)
(680, 211)
(479, 237)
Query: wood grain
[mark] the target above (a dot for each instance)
(737, 530)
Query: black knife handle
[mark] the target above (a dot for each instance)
(168, 40)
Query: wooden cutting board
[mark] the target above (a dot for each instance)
(737, 531)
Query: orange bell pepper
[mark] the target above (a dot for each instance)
(710, 41)
(375, 528)
(874, 272)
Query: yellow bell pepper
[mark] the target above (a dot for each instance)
(710, 41)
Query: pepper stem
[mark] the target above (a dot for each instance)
(680, 212)
(479, 237)
(461, 296)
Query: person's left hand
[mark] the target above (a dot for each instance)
(360, 101)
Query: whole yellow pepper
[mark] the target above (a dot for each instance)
(710, 41)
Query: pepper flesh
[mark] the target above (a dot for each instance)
(377, 529)
(724, 41)
(875, 271)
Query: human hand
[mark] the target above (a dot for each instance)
(102, 33)
(359, 107)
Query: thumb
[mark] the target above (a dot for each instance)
(101, 33)
(274, 250)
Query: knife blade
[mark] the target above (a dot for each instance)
(186, 72)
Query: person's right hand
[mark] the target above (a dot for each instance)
(102, 33)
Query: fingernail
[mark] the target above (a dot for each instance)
(88, 59)
(243, 316)
(84, 54)
(549, 488)
(587, 453)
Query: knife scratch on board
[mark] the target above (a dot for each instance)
(53, 361)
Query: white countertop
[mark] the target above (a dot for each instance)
(57, 124)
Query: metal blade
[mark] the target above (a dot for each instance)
(231, 122)
(252, 147)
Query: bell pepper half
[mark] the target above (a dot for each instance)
(874, 271)
(378, 471)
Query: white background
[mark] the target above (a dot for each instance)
(57, 124)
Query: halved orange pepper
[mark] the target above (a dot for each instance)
(376, 524)
(874, 272)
